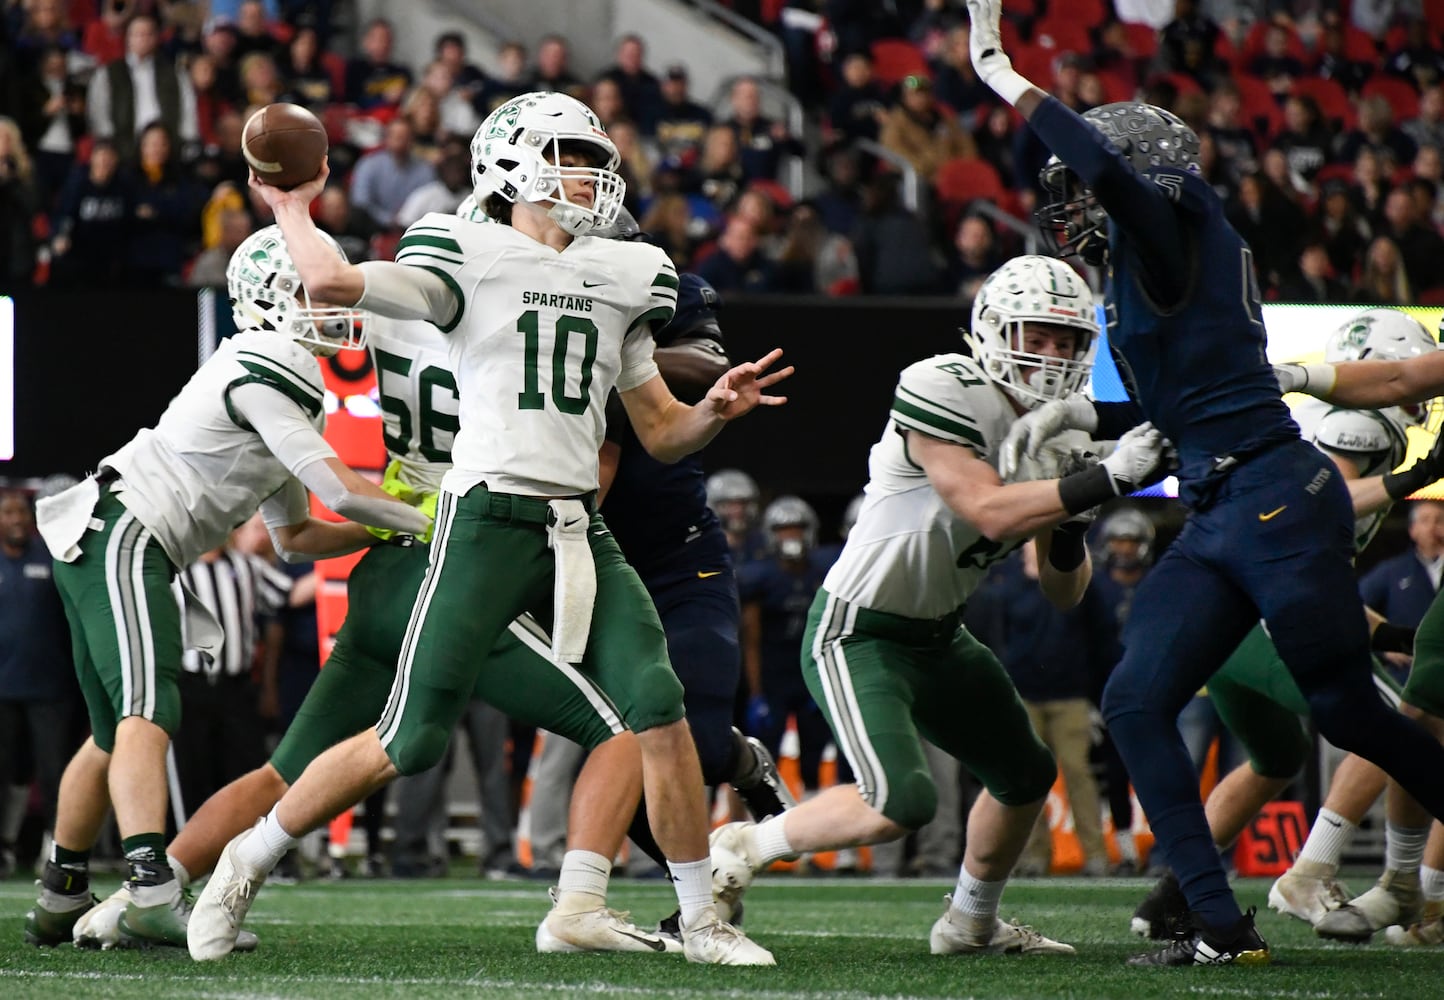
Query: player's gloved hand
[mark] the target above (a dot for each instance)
(985, 43)
(1419, 475)
(424, 501)
(1316, 379)
(1026, 436)
(1391, 638)
(1141, 459)
(759, 714)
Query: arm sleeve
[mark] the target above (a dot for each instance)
(321, 480)
(400, 291)
(1133, 202)
(638, 365)
(287, 506)
(274, 415)
(660, 302)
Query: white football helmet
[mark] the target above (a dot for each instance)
(1032, 289)
(267, 294)
(734, 497)
(470, 210)
(1383, 335)
(790, 512)
(515, 153)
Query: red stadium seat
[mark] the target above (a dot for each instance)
(1088, 13)
(335, 68)
(1226, 51)
(1432, 297)
(383, 245)
(1062, 36)
(1359, 46)
(1329, 95)
(893, 60)
(1143, 39)
(1434, 14)
(1400, 94)
(1019, 8)
(1117, 87)
(1258, 106)
(962, 179)
(1182, 82)
(1334, 172)
(1253, 43)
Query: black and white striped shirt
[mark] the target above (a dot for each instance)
(237, 588)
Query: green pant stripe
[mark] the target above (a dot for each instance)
(837, 624)
(125, 559)
(534, 637)
(391, 718)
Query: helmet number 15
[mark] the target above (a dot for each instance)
(531, 397)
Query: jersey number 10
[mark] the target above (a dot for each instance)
(531, 397)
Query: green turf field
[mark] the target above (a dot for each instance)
(833, 938)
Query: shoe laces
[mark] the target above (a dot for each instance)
(1335, 895)
(1026, 932)
(238, 890)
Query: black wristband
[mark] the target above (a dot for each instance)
(1417, 476)
(1086, 490)
(1390, 638)
(1068, 547)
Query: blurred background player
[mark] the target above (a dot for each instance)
(734, 497)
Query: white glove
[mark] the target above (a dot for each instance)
(1026, 436)
(1316, 379)
(1139, 460)
(986, 45)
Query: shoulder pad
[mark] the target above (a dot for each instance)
(944, 397)
(1354, 431)
(657, 282)
(1185, 189)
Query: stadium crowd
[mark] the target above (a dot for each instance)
(1322, 126)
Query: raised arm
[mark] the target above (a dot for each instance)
(1367, 384)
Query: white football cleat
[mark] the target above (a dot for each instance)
(956, 933)
(99, 926)
(602, 929)
(215, 923)
(720, 943)
(733, 867)
(1308, 890)
(1395, 899)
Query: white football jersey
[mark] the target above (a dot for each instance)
(418, 397)
(1375, 439)
(203, 470)
(541, 339)
(909, 554)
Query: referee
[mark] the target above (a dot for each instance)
(223, 733)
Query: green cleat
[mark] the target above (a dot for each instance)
(52, 920)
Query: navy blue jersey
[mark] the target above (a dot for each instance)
(785, 597)
(1182, 301)
(35, 659)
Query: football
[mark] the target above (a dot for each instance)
(284, 144)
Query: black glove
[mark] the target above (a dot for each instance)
(1419, 475)
(1388, 638)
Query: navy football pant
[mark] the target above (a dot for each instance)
(1277, 544)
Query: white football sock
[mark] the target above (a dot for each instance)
(582, 884)
(977, 898)
(266, 845)
(693, 882)
(1331, 833)
(181, 875)
(1404, 847)
(767, 841)
(1431, 880)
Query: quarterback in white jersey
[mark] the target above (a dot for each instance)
(244, 433)
(542, 322)
(886, 657)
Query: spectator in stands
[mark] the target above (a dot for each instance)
(812, 260)
(452, 184)
(19, 202)
(641, 90)
(261, 82)
(1339, 227)
(1376, 130)
(383, 179)
(893, 254)
(422, 112)
(1029, 153)
(1402, 588)
(553, 68)
(668, 224)
(1418, 59)
(467, 77)
(253, 31)
(1275, 65)
(1383, 280)
(1421, 248)
(1313, 280)
(758, 208)
(1371, 186)
(128, 94)
(308, 83)
(975, 255)
(1428, 171)
(840, 203)
(682, 122)
(921, 132)
(458, 115)
(209, 270)
(737, 264)
(1427, 128)
(350, 226)
(605, 100)
(1212, 169)
(222, 160)
(209, 105)
(1114, 54)
(858, 107)
(167, 213)
(52, 118)
(1186, 44)
(93, 219)
(219, 42)
(762, 141)
(1237, 149)
(1269, 223)
(955, 82)
(509, 80)
(718, 175)
(1305, 140)
(995, 141)
(46, 26)
(373, 80)
(637, 165)
(1334, 64)
(1286, 181)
